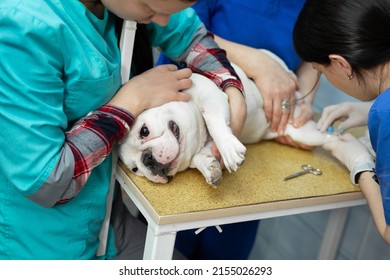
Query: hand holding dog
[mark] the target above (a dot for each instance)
(308, 81)
(153, 88)
(305, 114)
(275, 84)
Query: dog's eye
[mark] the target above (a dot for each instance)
(144, 131)
(135, 169)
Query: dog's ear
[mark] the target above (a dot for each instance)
(132, 166)
(134, 169)
(127, 155)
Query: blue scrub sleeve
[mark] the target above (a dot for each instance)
(380, 134)
(204, 10)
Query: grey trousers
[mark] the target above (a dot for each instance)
(130, 232)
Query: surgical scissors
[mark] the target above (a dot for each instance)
(307, 168)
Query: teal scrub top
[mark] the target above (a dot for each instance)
(58, 62)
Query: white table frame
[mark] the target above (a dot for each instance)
(161, 234)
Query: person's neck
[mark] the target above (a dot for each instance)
(94, 6)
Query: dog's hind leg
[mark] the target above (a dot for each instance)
(208, 165)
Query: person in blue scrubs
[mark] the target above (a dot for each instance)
(348, 41)
(63, 110)
(241, 28)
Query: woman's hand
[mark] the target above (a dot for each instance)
(153, 88)
(351, 114)
(352, 153)
(274, 82)
(308, 80)
(305, 113)
(275, 85)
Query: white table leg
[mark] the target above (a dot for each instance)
(159, 245)
(333, 233)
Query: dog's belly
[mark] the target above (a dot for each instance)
(256, 125)
(257, 128)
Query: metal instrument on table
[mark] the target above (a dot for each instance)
(307, 168)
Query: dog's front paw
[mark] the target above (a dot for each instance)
(232, 152)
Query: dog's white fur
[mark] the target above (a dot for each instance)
(173, 137)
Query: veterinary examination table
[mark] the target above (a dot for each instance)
(256, 191)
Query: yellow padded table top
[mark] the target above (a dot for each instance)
(257, 186)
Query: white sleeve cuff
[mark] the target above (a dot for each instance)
(367, 166)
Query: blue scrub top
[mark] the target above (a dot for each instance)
(378, 125)
(264, 24)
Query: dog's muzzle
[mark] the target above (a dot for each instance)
(155, 167)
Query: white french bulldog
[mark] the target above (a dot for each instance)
(176, 136)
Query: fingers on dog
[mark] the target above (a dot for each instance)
(183, 77)
(268, 109)
(328, 116)
(281, 114)
(184, 73)
(169, 67)
(184, 84)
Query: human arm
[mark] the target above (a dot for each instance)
(186, 41)
(359, 161)
(52, 147)
(352, 153)
(92, 138)
(308, 83)
(372, 193)
(351, 114)
(208, 59)
(157, 86)
(273, 81)
(276, 83)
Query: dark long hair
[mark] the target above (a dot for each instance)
(358, 30)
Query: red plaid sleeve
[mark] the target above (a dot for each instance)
(213, 63)
(91, 140)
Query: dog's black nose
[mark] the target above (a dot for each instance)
(149, 160)
(154, 166)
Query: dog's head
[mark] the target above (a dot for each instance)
(163, 141)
